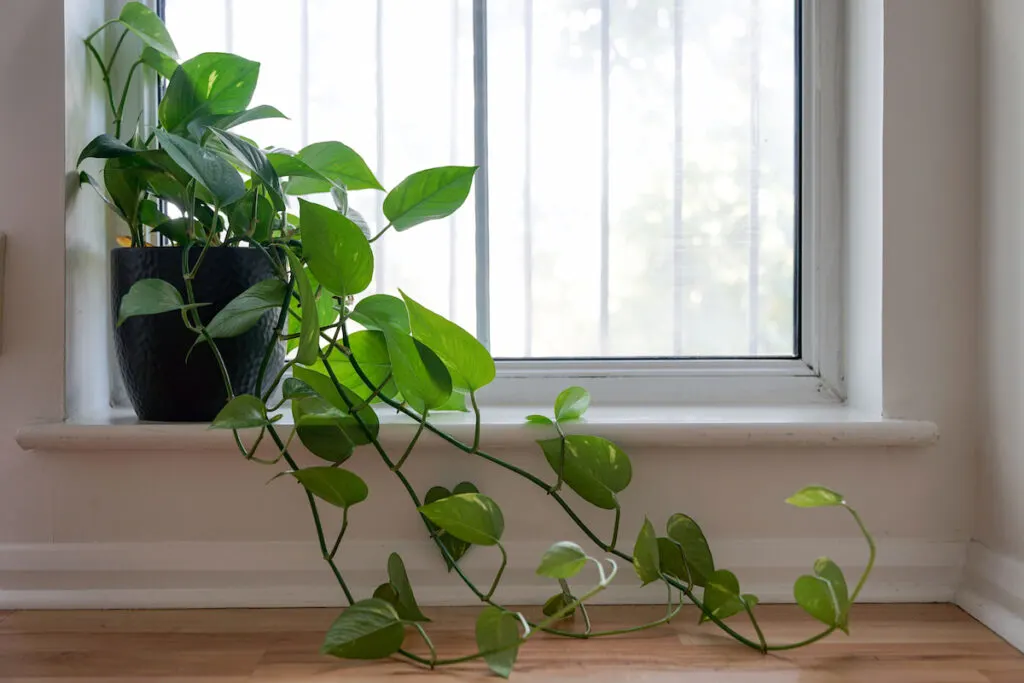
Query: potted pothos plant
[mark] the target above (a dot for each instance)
(350, 353)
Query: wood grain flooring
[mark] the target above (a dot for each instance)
(888, 644)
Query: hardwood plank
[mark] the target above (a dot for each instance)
(888, 644)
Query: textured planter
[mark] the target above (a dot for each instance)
(151, 349)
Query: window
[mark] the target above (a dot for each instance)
(645, 158)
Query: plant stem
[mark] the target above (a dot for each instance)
(476, 427)
(615, 526)
(426, 639)
(341, 534)
(871, 557)
(278, 326)
(378, 235)
(501, 570)
(412, 444)
(757, 627)
(105, 73)
(119, 113)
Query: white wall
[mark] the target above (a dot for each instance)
(994, 586)
(202, 528)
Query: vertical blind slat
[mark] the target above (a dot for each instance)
(604, 323)
(678, 245)
(754, 184)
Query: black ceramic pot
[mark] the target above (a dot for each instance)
(151, 349)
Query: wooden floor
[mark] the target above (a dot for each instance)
(888, 644)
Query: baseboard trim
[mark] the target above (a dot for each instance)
(291, 574)
(993, 592)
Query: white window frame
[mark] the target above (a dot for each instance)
(816, 377)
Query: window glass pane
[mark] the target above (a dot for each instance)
(642, 156)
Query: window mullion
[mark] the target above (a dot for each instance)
(483, 270)
(606, 22)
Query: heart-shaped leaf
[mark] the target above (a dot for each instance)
(323, 429)
(228, 121)
(722, 595)
(339, 164)
(159, 62)
(419, 374)
(556, 603)
(696, 552)
(571, 404)
(646, 560)
(497, 635)
(428, 195)
(563, 560)
(309, 331)
(370, 351)
(815, 497)
(471, 364)
(824, 595)
(334, 485)
(149, 297)
(149, 27)
(382, 312)
(595, 468)
(105, 146)
(456, 547)
(212, 83)
(241, 412)
(246, 309)
(254, 160)
(670, 559)
(342, 419)
(369, 629)
(539, 420)
(208, 168)
(405, 601)
(336, 249)
(472, 517)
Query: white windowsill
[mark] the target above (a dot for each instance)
(503, 428)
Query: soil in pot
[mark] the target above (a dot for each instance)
(152, 349)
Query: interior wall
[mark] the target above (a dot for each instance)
(204, 528)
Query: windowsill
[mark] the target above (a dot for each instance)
(503, 428)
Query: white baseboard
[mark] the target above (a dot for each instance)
(993, 592)
(291, 574)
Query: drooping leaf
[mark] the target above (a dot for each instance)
(149, 27)
(646, 560)
(824, 595)
(125, 185)
(208, 168)
(722, 595)
(246, 309)
(86, 179)
(571, 404)
(563, 560)
(251, 217)
(309, 335)
(324, 429)
(419, 374)
(241, 412)
(347, 421)
(369, 629)
(595, 468)
(696, 552)
(815, 497)
(334, 485)
(670, 558)
(336, 162)
(556, 603)
(293, 387)
(382, 311)
(428, 195)
(159, 62)
(228, 121)
(497, 633)
(336, 249)
(105, 146)
(539, 420)
(212, 83)
(456, 547)
(470, 363)
(405, 603)
(472, 517)
(290, 166)
(149, 297)
(370, 351)
(255, 161)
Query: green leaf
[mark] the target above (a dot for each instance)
(246, 309)
(293, 387)
(149, 27)
(419, 374)
(251, 222)
(334, 485)
(253, 159)
(824, 595)
(428, 195)
(471, 364)
(539, 420)
(571, 404)
(455, 403)
(325, 388)
(150, 214)
(241, 412)
(125, 184)
(149, 297)
(309, 335)
(370, 351)
(86, 179)
(382, 311)
(815, 497)
(722, 595)
(670, 560)
(556, 603)
(290, 166)
(696, 551)
(387, 593)
(369, 629)
(465, 487)
(497, 633)
(324, 429)
(212, 83)
(337, 163)
(337, 251)
(105, 146)
(563, 560)
(455, 547)
(208, 168)
(646, 560)
(472, 517)
(405, 604)
(229, 121)
(595, 468)
(159, 62)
